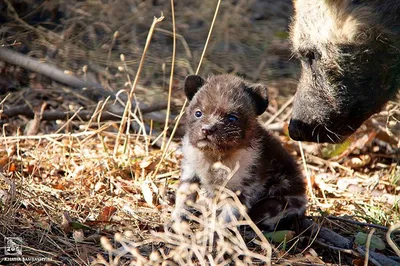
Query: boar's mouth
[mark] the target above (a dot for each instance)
(314, 119)
(302, 131)
(323, 124)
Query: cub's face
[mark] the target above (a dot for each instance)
(222, 113)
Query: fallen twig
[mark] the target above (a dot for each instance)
(25, 110)
(340, 243)
(393, 245)
(377, 258)
(344, 250)
(358, 223)
(92, 90)
(326, 234)
(288, 102)
(368, 243)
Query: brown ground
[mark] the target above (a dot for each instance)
(66, 183)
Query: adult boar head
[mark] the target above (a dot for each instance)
(350, 59)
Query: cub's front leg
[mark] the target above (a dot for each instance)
(231, 210)
(186, 192)
(270, 211)
(229, 213)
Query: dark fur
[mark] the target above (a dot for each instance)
(268, 178)
(349, 75)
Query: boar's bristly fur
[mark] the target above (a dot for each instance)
(350, 59)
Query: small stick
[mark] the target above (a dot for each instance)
(378, 258)
(288, 102)
(326, 234)
(93, 91)
(171, 77)
(367, 246)
(124, 120)
(308, 176)
(53, 72)
(344, 250)
(391, 243)
(358, 223)
(25, 110)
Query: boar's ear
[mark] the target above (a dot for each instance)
(192, 84)
(259, 96)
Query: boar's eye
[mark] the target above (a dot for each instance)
(198, 114)
(232, 118)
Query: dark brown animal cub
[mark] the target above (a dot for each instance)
(226, 146)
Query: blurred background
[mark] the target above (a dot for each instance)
(86, 39)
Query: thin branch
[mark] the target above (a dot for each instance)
(378, 258)
(171, 77)
(128, 107)
(288, 102)
(25, 110)
(326, 234)
(94, 90)
(368, 243)
(393, 245)
(344, 250)
(381, 227)
(91, 90)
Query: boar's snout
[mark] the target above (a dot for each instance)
(312, 132)
(299, 130)
(315, 118)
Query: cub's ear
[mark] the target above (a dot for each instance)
(259, 96)
(192, 84)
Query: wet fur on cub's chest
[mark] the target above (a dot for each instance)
(226, 146)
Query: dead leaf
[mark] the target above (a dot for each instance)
(59, 186)
(344, 183)
(358, 162)
(358, 262)
(106, 213)
(5, 197)
(78, 235)
(285, 129)
(99, 185)
(145, 163)
(66, 223)
(30, 169)
(12, 168)
(4, 161)
(32, 127)
(147, 193)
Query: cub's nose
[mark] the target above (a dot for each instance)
(208, 129)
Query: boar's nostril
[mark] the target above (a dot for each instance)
(298, 130)
(295, 131)
(208, 129)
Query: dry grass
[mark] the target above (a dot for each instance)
(68, 189)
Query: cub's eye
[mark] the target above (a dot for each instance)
(232, 118)
(198, 114)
